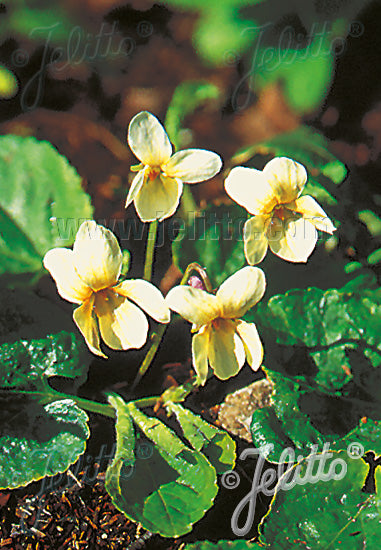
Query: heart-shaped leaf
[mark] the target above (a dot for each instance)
(330, 512)
(332, 337)
(39, 441)
(285, 425)
(41, 203)
(155, 479)
(37, 340)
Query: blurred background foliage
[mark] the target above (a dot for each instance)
(247, 78)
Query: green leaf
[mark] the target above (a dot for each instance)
(125, 435)
(221, 36)
(166, 488)
(330, 514)
(319, 328)
(223, 545)
(367, 434)
(41, 203)
(224, 30)
(24, 363)
(37, 340)
(39, 441)
(301, 60)
(328, 343)
(216, 444)
(285, 425)
(364, 281)
(335, 171)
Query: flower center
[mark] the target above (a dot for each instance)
(281, 213)
(276, 223)
(100, 299)
(106, 300)
(280, 219)
(216, 323)
(102, 294)
(153, 172)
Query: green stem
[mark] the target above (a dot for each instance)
(94, 406)
(162, 328)
(45, 397)
(149, 357)
(147, 401)
(150, 248)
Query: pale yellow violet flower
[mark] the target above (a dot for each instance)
(222, 340)
(88, 275)
(283, 220)
(157, 187)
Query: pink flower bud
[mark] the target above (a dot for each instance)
(196, 282)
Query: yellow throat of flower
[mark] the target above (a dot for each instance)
(153, 172)
(279, 218)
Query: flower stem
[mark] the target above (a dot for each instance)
(46, 397)
(162, 328)
(149, 357)
(201, 272)
(150, 248)
(94, 406)
(147, 401)
(49, 396)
